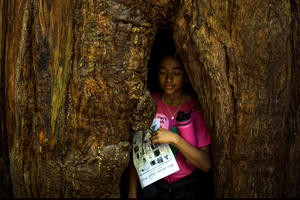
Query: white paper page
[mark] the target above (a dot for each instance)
(152, 161)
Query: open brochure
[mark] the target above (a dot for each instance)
(152, 161)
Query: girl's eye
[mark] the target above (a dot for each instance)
(177, 73)
(162, 72)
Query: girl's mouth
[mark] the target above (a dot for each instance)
(168, 86)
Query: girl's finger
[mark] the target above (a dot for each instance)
(154, 133)
(154, 139)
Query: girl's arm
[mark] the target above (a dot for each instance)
(199, 158)
(133, 181)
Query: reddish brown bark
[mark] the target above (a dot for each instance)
(240, 55)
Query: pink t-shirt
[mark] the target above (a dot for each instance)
(202, 135)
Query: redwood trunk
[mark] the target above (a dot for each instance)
(73, 90)
(243, 59)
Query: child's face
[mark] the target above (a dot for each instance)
(171, 75)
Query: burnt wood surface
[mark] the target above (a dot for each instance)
(73, 90)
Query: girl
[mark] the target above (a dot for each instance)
(193, 161)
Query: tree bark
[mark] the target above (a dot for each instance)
(242, 59)
(73, 90)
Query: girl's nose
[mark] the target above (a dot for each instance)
(169, 77)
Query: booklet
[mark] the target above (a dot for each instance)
(152, 161)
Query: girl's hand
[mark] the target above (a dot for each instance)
(163, 136)
(199, 158)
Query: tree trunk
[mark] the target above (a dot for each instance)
(243, 60)
(73, 85)
(75, 92)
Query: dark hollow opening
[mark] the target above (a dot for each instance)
(163, 42)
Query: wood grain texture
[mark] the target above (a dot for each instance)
(239, 59)
(75, 93)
